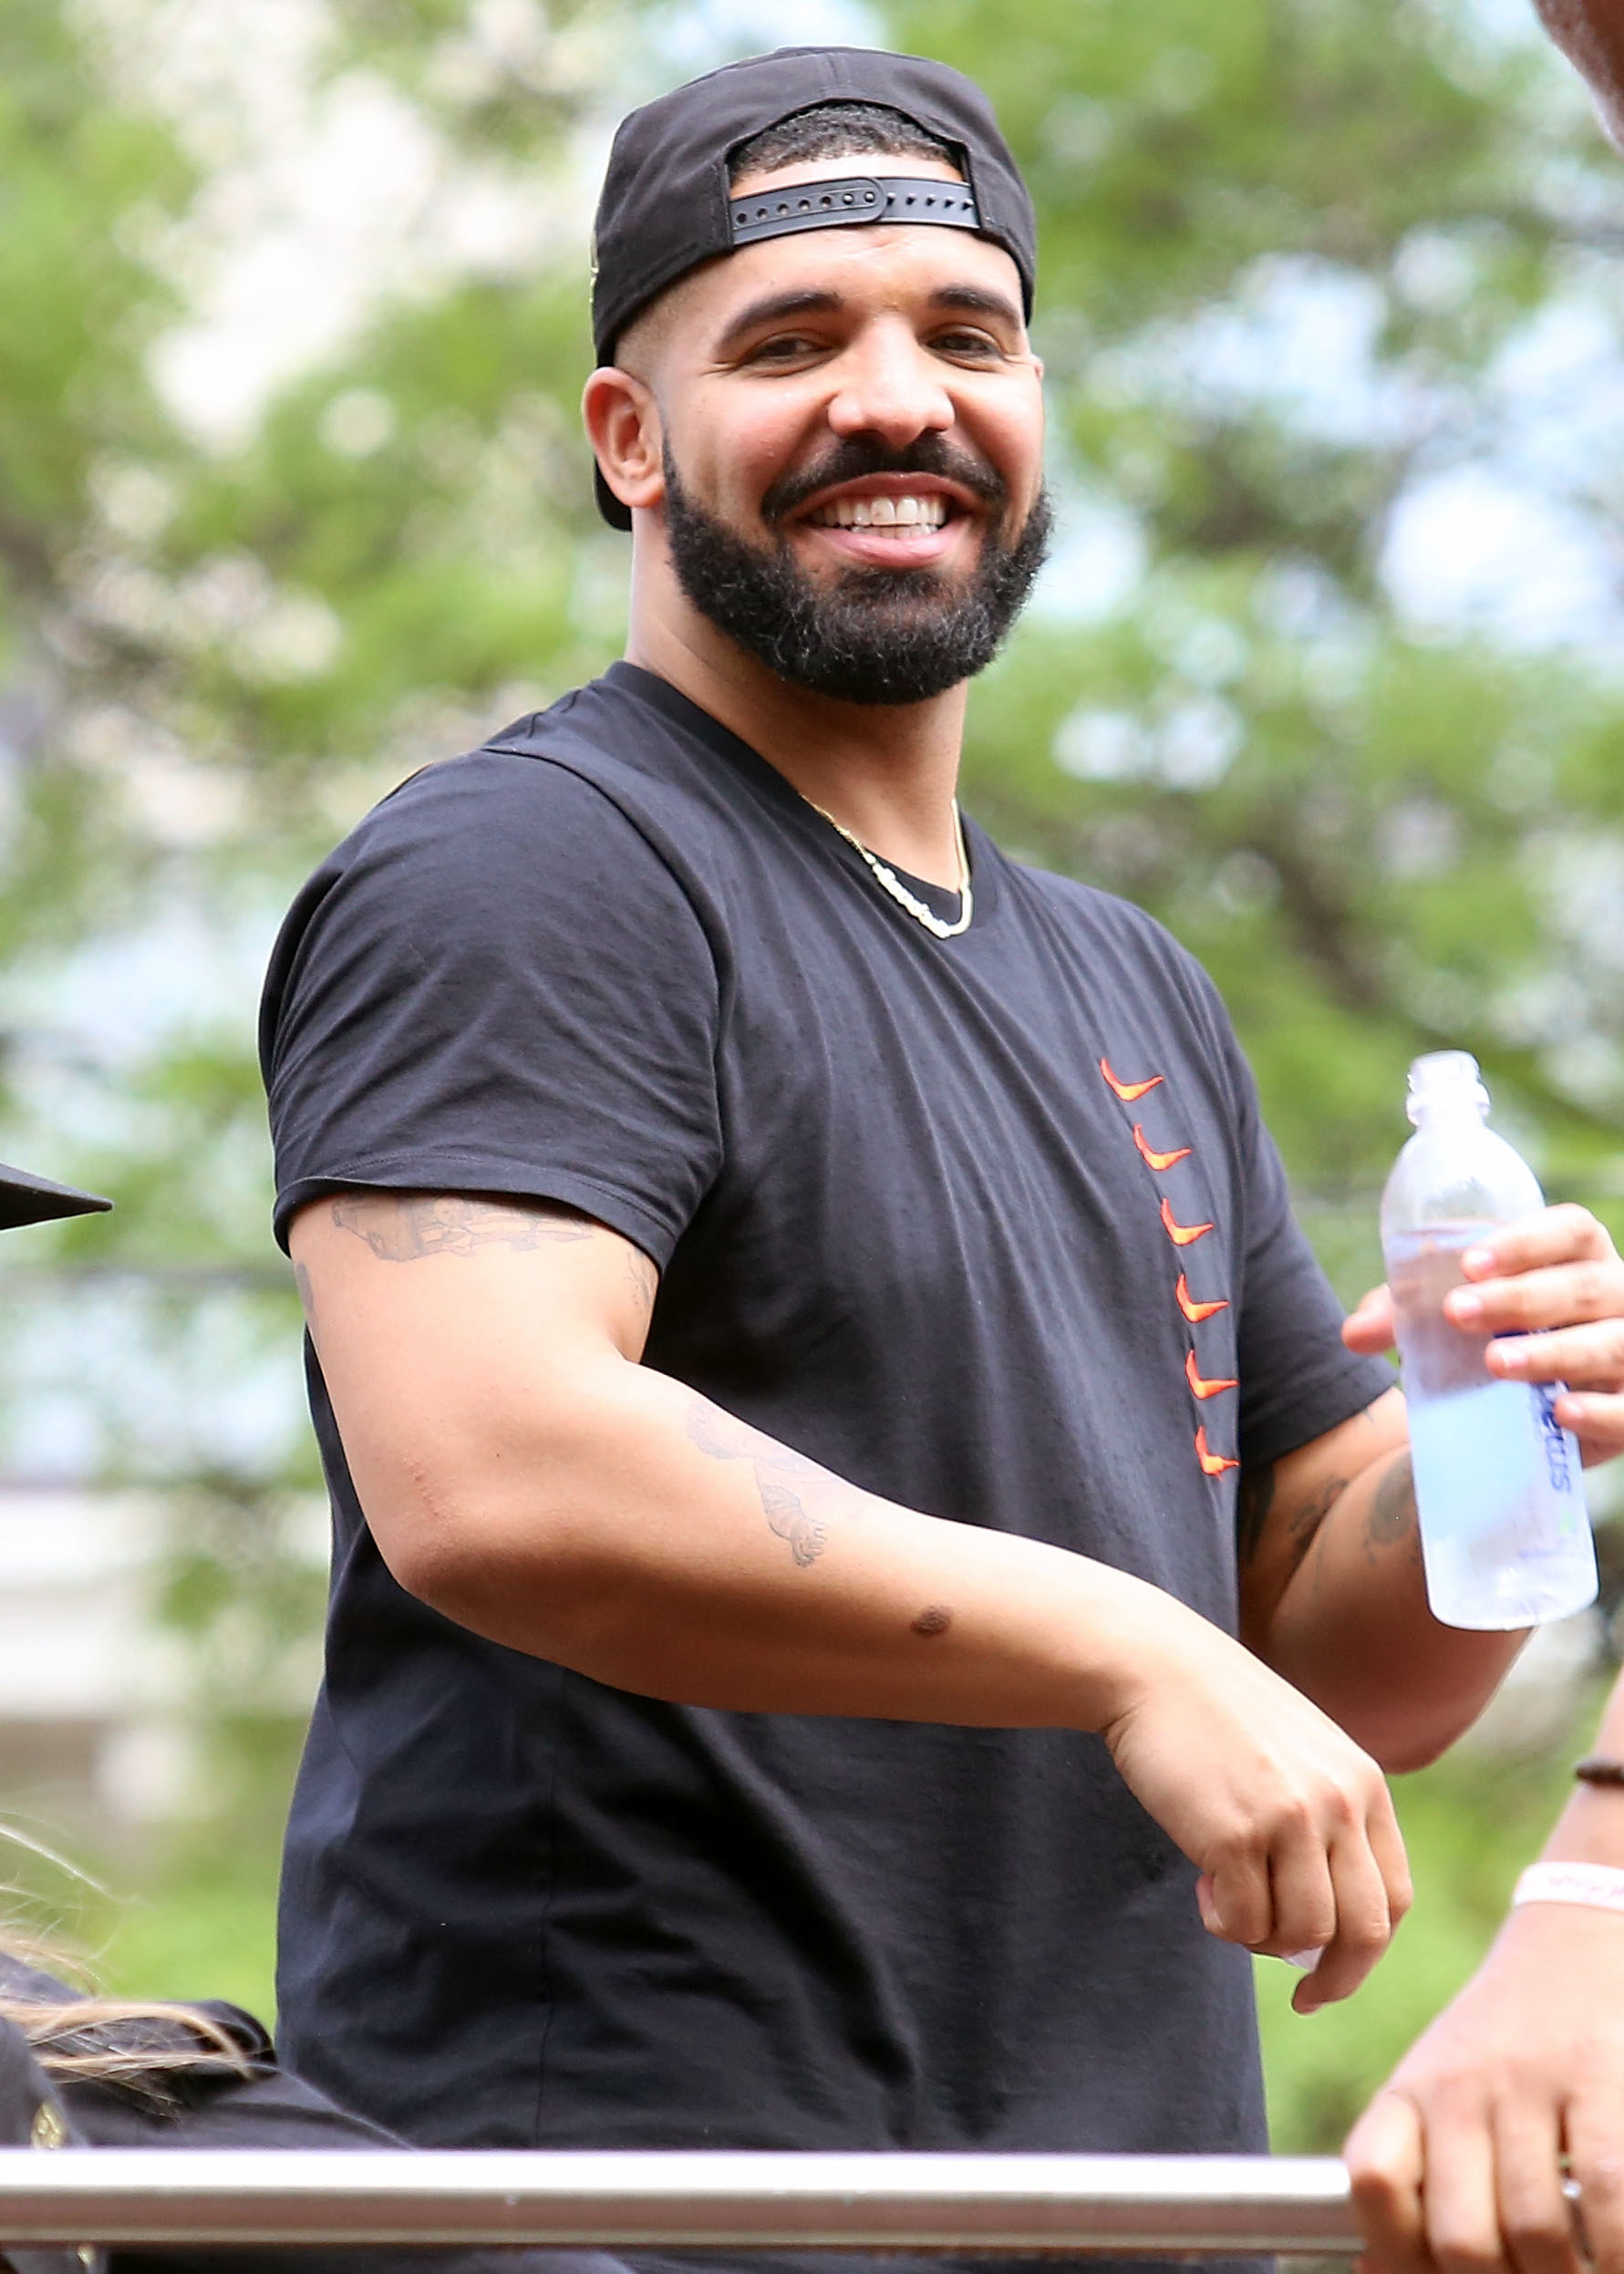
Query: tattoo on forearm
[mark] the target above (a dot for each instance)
(401, 1227)
(724, 1439)
(1252, 1504)
(1391, 1516)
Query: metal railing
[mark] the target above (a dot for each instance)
(1123, 2204)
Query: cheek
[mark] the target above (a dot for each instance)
(734, 445)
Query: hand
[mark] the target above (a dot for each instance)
(1554, 1287)
(1457, 2162)
(1291, 1824)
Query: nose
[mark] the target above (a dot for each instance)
(889, 387)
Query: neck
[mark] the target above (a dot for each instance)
(886, 773)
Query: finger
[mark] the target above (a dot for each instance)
(1305, 1902)
(1369, 1327)
(1558, 1295)
(1553, 1235)
(1363, 1925)
(1597, 1421)
(1240, 1907)
(1596, 2152)
(1386, 2168)
(1588, 1357)
(1460, 2204)
(1535, 2220)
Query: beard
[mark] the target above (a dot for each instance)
(870, 635)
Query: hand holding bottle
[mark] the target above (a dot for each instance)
(1552, 1284)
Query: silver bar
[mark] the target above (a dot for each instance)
(1126, 2205)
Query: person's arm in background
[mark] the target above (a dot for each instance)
(1590, 34)
(1457, 2161)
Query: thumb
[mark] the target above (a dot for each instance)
(1369, 1327)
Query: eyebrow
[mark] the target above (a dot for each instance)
(777, 307)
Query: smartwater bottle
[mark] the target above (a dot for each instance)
(1504, 1537)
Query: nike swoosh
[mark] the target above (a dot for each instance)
(1200, 1385)
(1182, 1234)
(1128, 1090)
(1157, 1160)
(1212, 1464)
(1194, 1311)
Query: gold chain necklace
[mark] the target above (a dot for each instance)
(891, 882)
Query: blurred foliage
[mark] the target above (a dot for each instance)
(1380, 836)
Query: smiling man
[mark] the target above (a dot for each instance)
(866, 1577)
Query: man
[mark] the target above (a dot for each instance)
(1459, 2160)
(803, 1307)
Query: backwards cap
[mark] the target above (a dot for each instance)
(668, 204)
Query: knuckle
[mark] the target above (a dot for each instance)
(1466, 2253)
(1537, 2232)
(1593, 1286)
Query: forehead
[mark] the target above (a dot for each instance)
(869, 266)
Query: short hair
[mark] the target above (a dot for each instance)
(838, 131)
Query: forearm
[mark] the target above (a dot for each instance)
(635, 1533)
(1353, 1631)
(1590, 1829)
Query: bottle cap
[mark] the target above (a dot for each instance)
(1445, 1078)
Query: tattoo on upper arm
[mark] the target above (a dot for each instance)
(1255, 1504)
(1391, 1516)
(400, 1227)
(1252, 1504)
(641, 1277)
(724, 1439)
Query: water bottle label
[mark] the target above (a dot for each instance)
(1554, 1439)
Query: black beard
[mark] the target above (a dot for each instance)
(873, 635)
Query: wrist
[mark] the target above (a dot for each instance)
(1572, 1882)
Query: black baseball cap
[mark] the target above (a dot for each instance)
(25, 1199)
(667, 205)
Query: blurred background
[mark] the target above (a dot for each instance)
(1327, 671)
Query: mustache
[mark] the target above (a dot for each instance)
(855, 459)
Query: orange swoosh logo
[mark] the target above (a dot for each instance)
(1212, 1464)
(1195, 1312)
(1128, 1090)
(1182, 1234)
(1200, 1386)
(1157, 1160)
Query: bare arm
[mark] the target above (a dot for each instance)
(1333, 1597)
(525, 1473)
(1458, 2160)
(1332, 1592)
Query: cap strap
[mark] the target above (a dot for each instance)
(853, 198)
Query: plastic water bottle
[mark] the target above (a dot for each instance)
(1504, 1537)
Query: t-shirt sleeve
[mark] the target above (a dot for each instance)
(497, 985)
(1298, 1377)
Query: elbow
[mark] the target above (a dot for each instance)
(1403, 1754)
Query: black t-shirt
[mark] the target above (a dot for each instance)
(989, 1226)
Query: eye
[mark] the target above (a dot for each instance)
(784, 347)
(967, 344)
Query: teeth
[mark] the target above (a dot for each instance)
(886, 513)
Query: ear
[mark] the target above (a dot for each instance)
(623, 425)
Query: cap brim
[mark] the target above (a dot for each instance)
(618, 516)
(25, 1199)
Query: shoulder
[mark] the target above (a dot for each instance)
(1125, 934)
